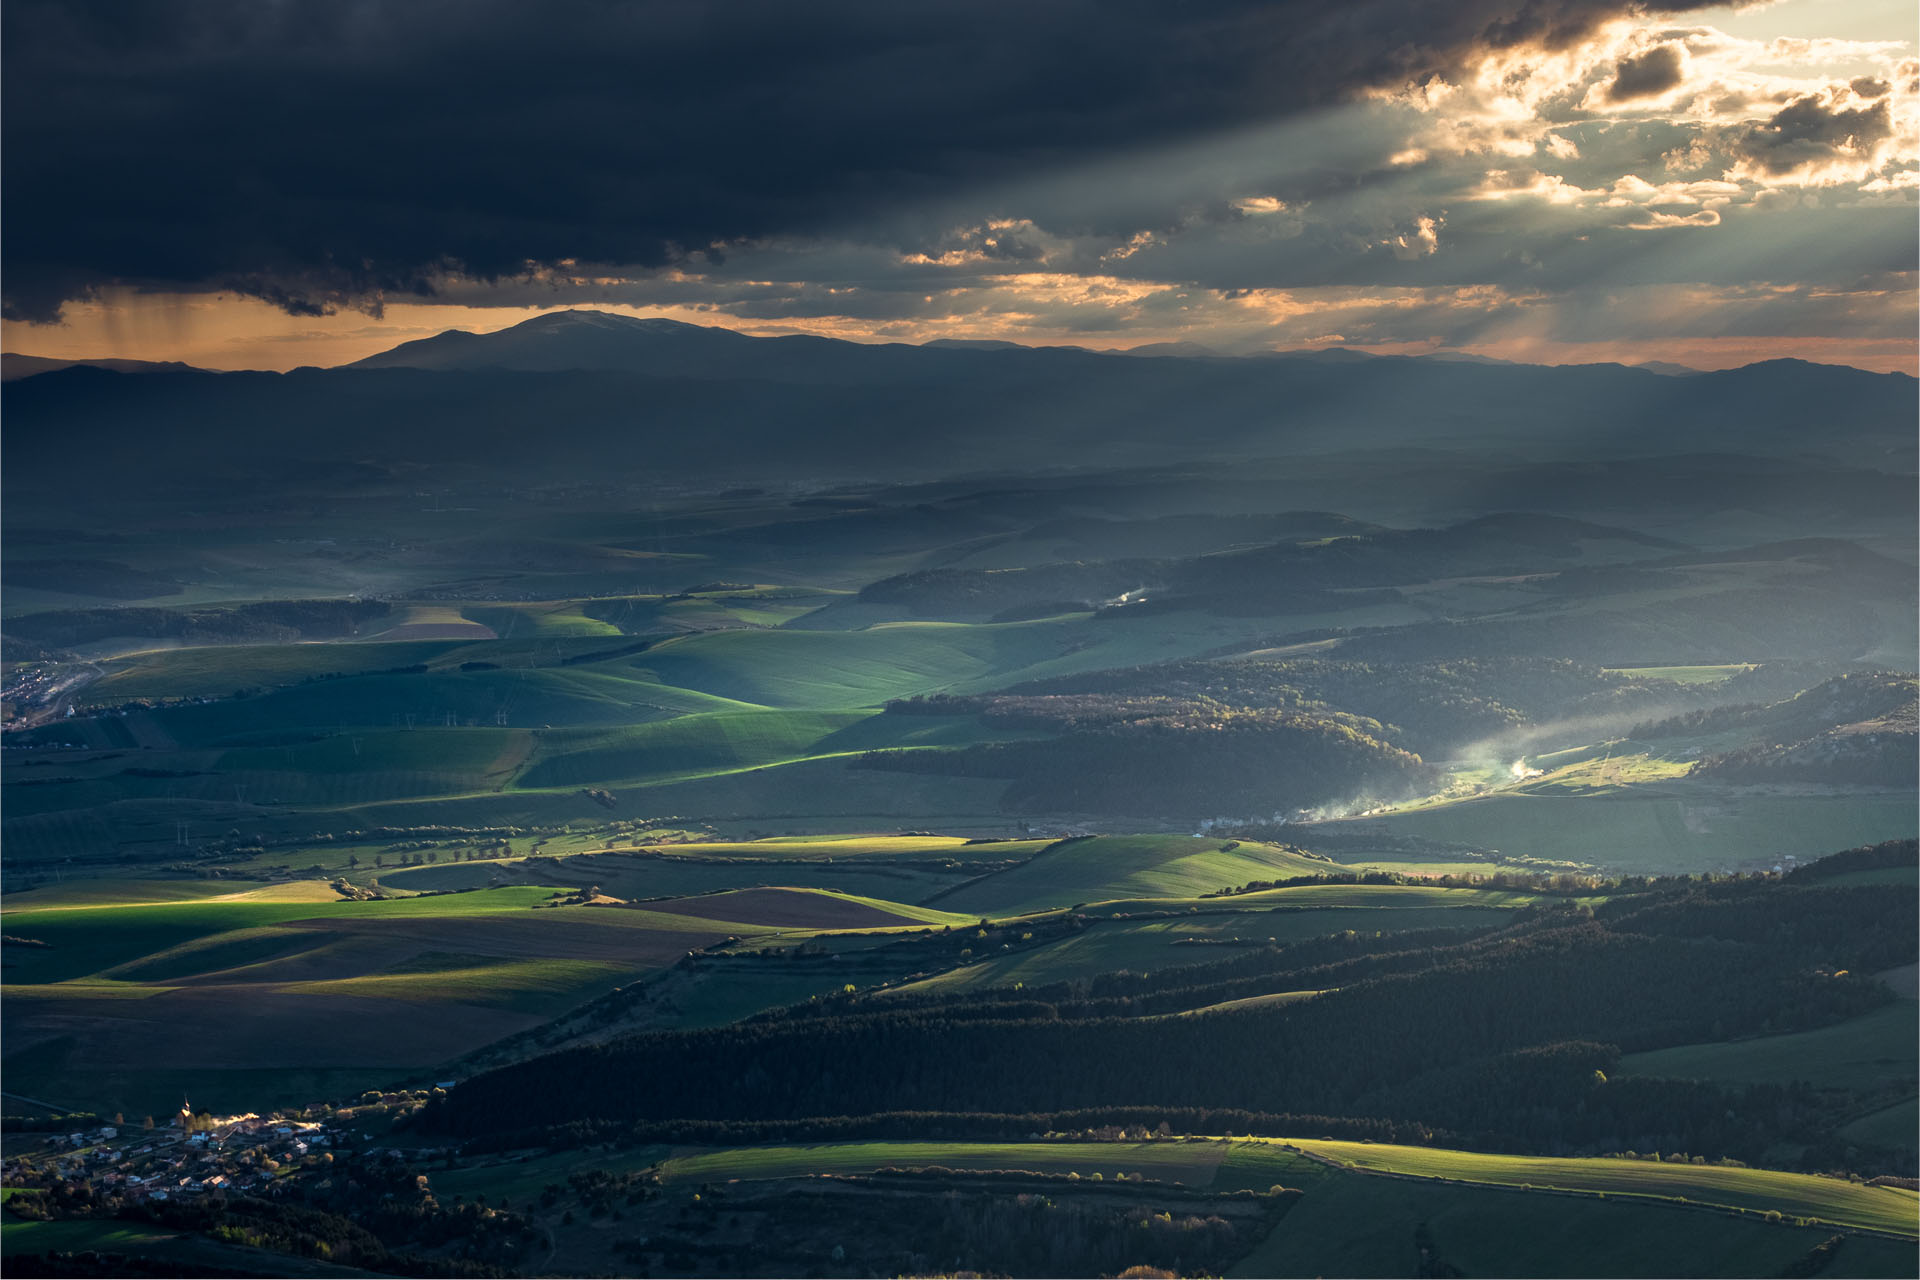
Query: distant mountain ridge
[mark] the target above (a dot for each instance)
(588, 340)
(582, 392)
(583, 339)
(14, 366)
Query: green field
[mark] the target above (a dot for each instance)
(1105, 868)
(217, 672)
(624, 877)
(726, 741)
(1192, 1163)
(128, 998)
(1827, 1201)
(790, 908)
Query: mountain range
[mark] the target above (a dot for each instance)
(642, 399)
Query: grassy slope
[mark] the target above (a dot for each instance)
(661, 878)
(216, 672)
(1192, 1163)
(1825, 1200)
(1895, 1126)
(795, 667)
(720, 742)
(753, 907)
(1859, 1053)
(1303, 897)
(1111, 867)
(85, 941)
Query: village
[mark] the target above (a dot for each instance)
(196, 1154)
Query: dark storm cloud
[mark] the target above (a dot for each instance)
(1654, 72)
(319, 153)
(1810, 131)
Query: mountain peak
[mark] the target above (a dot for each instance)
(582, 320)
(564, 341)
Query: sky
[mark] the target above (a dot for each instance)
(275, 183)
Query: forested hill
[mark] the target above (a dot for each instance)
(1427, 707)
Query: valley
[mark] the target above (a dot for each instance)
(1288, 863)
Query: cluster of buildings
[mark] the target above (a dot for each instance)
(195, 1155)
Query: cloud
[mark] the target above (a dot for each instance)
(1421, 242)
(1659, 70)
(323, 154)
(1813, 135)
